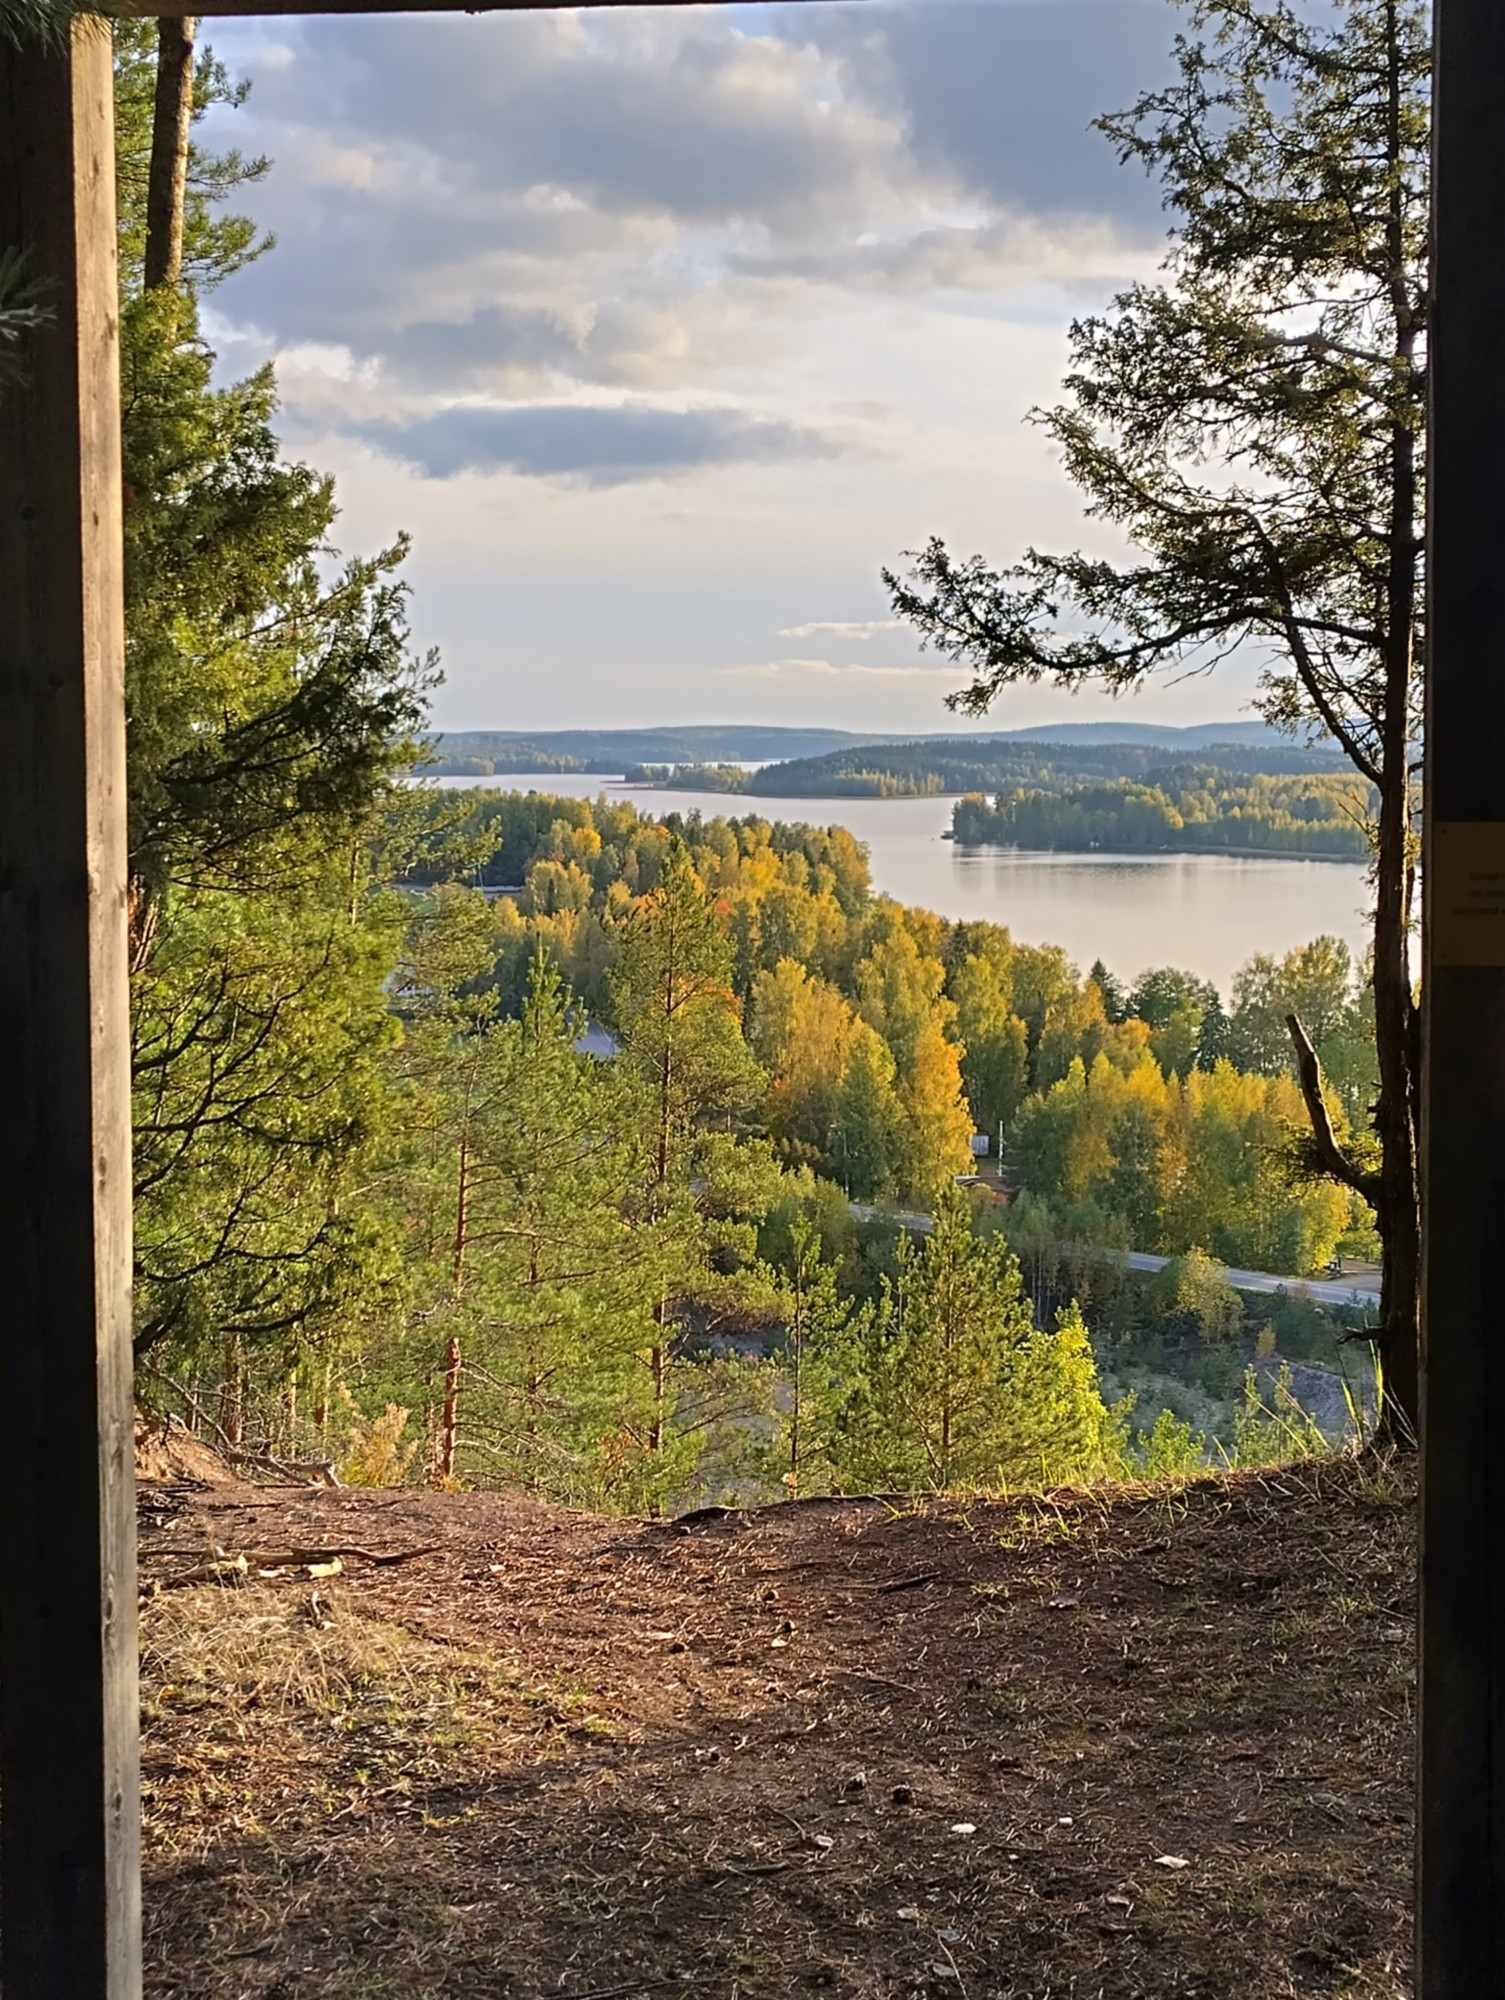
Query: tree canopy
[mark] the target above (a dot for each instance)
(1253, 424)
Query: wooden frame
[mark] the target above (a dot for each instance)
(1461, 1831)
(68, 1834)
(69, 1868)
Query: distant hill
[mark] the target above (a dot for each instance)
(487, 752)
(1196, 736)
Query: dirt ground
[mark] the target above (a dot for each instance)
(1053, 1749)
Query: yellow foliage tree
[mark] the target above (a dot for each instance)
(802, 1033)
(937, 1132)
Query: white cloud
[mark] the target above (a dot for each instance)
(589, 444)
(811, 265)
(841, 629)
(521, 203)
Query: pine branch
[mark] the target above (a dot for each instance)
(1334, 1159)
(26, 22)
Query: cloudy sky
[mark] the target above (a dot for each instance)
(663, 331)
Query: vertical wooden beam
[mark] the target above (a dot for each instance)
(1461, 1861)
(69, 1844)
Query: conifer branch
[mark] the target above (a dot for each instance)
(1330, 1152)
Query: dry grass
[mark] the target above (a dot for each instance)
(561, 1756)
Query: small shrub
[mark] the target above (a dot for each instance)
(1273, 1432)
(1172, 1450)
(375, 1454)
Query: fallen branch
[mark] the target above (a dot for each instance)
(232, 1570)
(701, 1516)
(877, 1680)
(321, 1469)
(1331, 1154)
(912, 1582)
(383, 1558)
(620, 1992)
(297, 1558)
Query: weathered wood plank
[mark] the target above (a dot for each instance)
(1461, 1888)
(69, 1844)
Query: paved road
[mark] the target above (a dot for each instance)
(916, 1224)
(1321, 1291)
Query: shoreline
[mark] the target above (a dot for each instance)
(1165, 853)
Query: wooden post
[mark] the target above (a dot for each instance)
(69, 1843)
(1461, 1857)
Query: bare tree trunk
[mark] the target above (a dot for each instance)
(167, 180)
(658, 1364)
(143, 917)
(449, 1420)
(1397, 1114)
(444, 1458)
(462, 1217)
(796, 1414)
(1398, 1205)
(321, 1408)
(946, 1410)
(232, 1395)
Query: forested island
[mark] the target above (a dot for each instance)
(1189, 809)
(940, 764)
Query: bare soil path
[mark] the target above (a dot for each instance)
(1053, 1749)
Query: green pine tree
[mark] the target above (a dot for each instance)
(1054, 1425)
(953, 1387)
(1254, 425)
(822, 1332)
(678, 1020)
(271, 715)
(528, 1275)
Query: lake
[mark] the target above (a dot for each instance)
(1206, 912)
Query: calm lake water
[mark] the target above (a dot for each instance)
(1208, 913)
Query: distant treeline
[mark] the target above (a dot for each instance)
(689, 777)
(508, 755)
(839, 763)
(924, 769)
(916, 770)
(1192, 808)
(481, 753)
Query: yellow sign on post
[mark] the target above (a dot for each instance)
(1465, 892)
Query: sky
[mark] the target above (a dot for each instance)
(664, 331)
